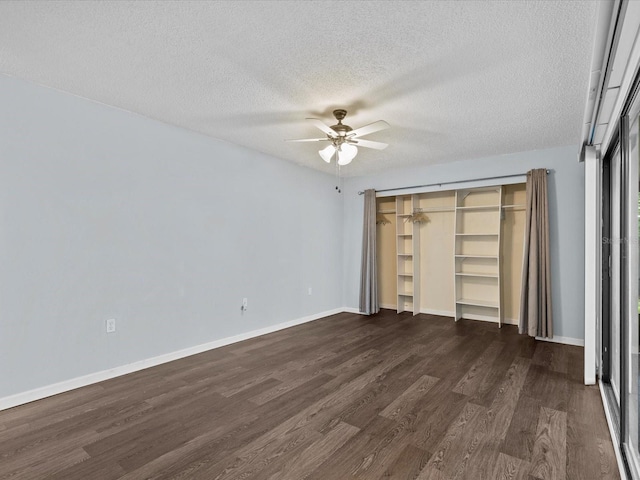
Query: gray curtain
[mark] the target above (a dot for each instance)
(369, 271)
(535, 299)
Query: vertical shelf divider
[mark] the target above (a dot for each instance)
(456, 260)
(499, 255)
(415, 202)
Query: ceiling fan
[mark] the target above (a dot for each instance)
(344, 139)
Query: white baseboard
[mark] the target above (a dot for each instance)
(351, 310)
(83, 381)
(578, 342)
(441, 313)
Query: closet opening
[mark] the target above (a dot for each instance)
(454, 253)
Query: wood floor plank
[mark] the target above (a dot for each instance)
(489, 387)
(344, 397)
(408, 464)
(511, 468)
(506, 400)
(302, 465)
(256, 458)
(45, 461)
(369, 402)
(434, 414)
(522, 431)
(549, 458)
(469, 384)
(369, 453)
(407, 399)
(103, 468)
(549, 387)
(453, 446)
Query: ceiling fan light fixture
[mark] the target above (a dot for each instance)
(346, 153)
(344, 139)
(327, 152)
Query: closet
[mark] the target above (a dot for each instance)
(455, 253)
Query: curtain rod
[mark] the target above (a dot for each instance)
(452, 182)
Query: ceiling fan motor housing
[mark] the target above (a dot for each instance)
(340, 129)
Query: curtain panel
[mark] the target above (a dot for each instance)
(369, 272)
(536, 317)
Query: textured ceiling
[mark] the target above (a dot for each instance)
(456, 80)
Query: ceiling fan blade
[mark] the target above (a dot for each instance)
(368, 143)
(322, 126)
(367, 129)
(308, 140)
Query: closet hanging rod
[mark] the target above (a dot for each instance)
(439, 184)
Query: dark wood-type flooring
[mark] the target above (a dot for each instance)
(386, 396)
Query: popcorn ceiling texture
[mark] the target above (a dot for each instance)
(456, 80)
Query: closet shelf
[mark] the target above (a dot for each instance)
(477, 234)
(471, 190)
(477, 303)
(405, 294)
(476, 256)
(435, 209)
(480, 207)
(405, 254)
(405, 274)
(386, 211)
(405, 234)
(484, 275)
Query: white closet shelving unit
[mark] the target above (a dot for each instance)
(478, 214)
(408, 255)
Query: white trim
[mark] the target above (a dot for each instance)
(616, 447)
(630, 68)
(441, 313)
(389, 306)
(600, 54)
(592, 290)
(578, 342)
(72, 384)
(349, 310)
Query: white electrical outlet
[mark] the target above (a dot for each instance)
(245, 304)
(309, 290)
(111, 325)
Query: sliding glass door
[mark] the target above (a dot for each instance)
(631, 346)
(620, 287)
(615, 264)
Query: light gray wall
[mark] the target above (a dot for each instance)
(566, 216)
(108, 214)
